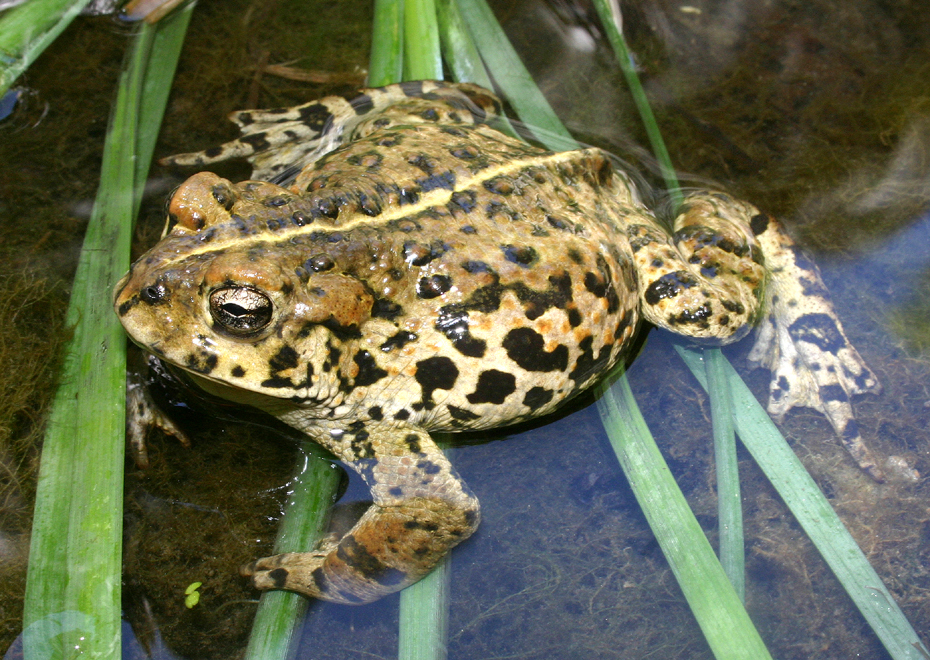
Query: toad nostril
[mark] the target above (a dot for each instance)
(154, 294)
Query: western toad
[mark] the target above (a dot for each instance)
(399, 267)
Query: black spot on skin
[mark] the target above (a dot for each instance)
(574, 317)
(279, 577)
(362, 104)
(319, 263)
(466, 152)
(356, 556)
(383, 308)
(462, 415)
(423, 162)
(818, 329)
(433, 286)
(369, 206)
(277, 201)
(444, 180)
(669, 286)
(277, 382)
(575, 256)
(409, 195)
(476, 267)
(417, 254)
(493, 387)
(396, 491)
(733, 306)
(412, 440)
(453, 323)
(435, 373)
(588, 364)
(452, 130)
(285, 358)
(376, 413)
(851, 431)
(462, 200)
(522, 255)
(258, 141)
(537, 397)
(368, 370)
(699, 237)
(430, 114)
(224, 196)
(416, 524)
(526, 347)
(780, 388)
(237, 372)
(402, 415)
(341, 331)
(203, 363)
(315, 116)
(557, 223)
(833, 393)
(699, 316)
(502, 185)
(601, 285)
(759, 223)
(429, 468)
(535, 303)
(398, 340)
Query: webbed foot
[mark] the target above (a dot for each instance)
(421, 510)
(802, 342)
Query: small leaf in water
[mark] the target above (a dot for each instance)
(193, 596)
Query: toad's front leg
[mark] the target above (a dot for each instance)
(421, 510)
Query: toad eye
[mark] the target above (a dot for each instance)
(240, 310)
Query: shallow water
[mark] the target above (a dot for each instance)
(818, 112)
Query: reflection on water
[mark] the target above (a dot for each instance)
(818, 112)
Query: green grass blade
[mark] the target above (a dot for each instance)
(424, 616)
(732, 554)
(511, 76)
(612, 26)
(422, 59)
(73, 583)
(729, 506)
(27, 30)
(814, 513)
(720, 614)
(458, 47)
(386, 64)
(280, 613)
(424, 606)
(714, 602)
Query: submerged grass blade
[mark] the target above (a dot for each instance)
(386, 64)
(280, 613)
(814, 513)
(709, 593)
(730, 519)
(424, 616)
(716, 605)
(73, 583)
(729, 505)
(424, 606)
(27, 30)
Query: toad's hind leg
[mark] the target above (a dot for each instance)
(421, 510)
(711, 284)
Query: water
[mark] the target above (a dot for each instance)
(817, 112)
